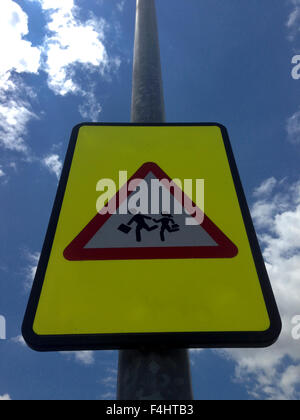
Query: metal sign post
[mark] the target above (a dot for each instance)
(158, 374)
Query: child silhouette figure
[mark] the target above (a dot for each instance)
(141, 224)
(167, 224)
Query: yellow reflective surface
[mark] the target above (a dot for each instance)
(200, 295)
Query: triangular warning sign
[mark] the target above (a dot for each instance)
(134, 235)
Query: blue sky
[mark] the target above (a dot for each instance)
(227, 62)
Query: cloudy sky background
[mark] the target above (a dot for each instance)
(64, 62)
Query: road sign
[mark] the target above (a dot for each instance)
(123, 276)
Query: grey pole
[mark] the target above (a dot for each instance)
(158, 373)
(147, 89)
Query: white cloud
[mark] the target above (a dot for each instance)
(69, 43)
(15, 114)
(264, 209)
(30, 270)
(293, 128)
(293, 22)
(19, 56)
(265, 188)
(2, 173)
(19, 340)
(108, 396)
(90, 109)
(86, 358)
(121, 5)
(274, 373)
(5, 397)
(13, 166)
(110, 384)
(53, 164)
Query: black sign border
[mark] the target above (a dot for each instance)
(235, 339)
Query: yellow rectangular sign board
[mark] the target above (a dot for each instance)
(124, 279)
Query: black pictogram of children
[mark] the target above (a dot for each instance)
(166, 224)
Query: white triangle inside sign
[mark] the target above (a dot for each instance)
(163, 229)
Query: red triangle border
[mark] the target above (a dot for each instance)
(76, 251)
